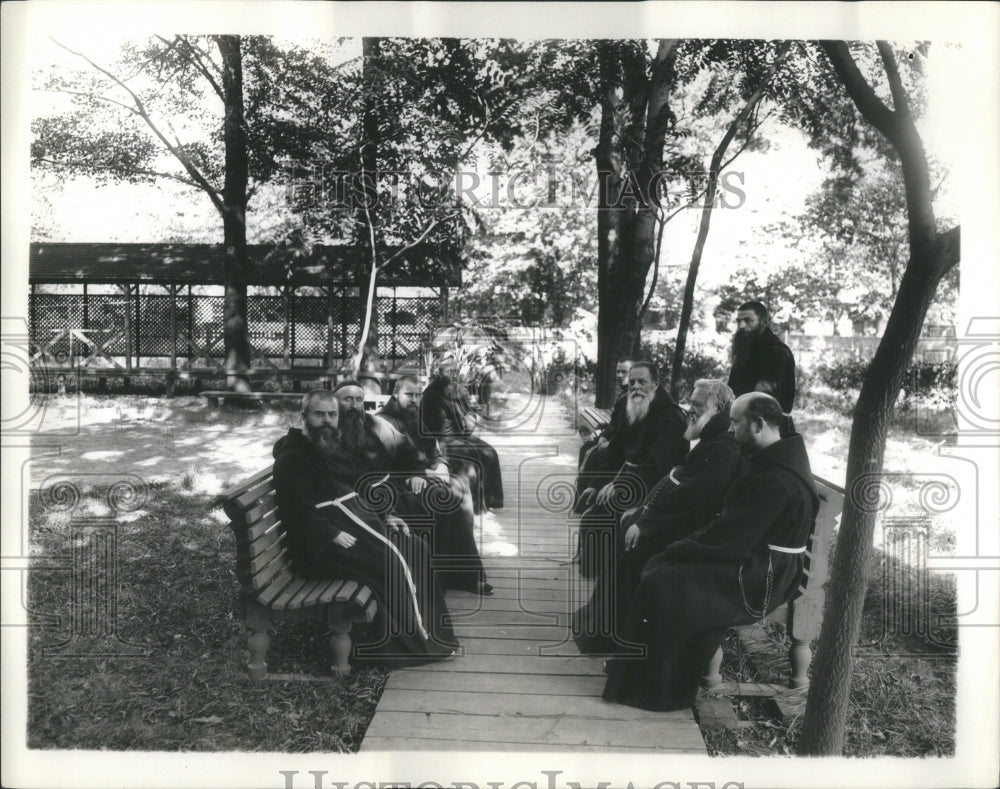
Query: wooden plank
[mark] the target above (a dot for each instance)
(400, 744)
(537, 684)
(520, 665)
(664, 734)
(512, 646)
(493, 704)
(547, 634)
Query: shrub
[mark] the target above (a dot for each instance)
(931, 384)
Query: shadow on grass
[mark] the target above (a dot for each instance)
(176, 597)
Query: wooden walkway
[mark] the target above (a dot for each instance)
(521, 684)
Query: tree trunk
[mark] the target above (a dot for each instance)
(826, 710)
(234, 197)
(368, 356)
(932, 255)
(634, 120)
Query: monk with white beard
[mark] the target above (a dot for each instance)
(647, 446)
(683, 501)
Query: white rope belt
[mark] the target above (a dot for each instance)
(783, 549)
(339, 504)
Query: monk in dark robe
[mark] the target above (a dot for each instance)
(446, 414)
(331, 534)
(643, 450)
(733, 571)
(682, 502)
(427, 496)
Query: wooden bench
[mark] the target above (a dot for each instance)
(803, 616)
(595, 418)
(270, 590)
(373, 402)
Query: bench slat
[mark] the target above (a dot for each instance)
(252, 499)
(267, 524)
(266, 506)
(340, 592)
(273, 553)
(370, 611)
(267, 587)
(318, 592)
(298, 599)
(282, 600)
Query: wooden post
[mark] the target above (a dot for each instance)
(172, 373)
(329, 330)
(86, 309)
(173, 326)
(291, 316)
(286, 335)
(138, 330)
(128, 327)
(190, 334)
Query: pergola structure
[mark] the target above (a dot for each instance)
(137, 309)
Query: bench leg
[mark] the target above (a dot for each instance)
(712, 676)
(799, 657)
(340, 644)
(257, 621)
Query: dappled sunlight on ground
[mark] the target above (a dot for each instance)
(95, 438)
(493, 541)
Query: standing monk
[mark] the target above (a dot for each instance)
(760, 361)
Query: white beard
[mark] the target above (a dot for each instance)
(694, 429)
(636, 408)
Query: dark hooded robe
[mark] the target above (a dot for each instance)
(733, 571)
(440, 512)
(681, 503)
(591, 456)
(444, 412)
(769, 361)
(316, 500)
(638, 456)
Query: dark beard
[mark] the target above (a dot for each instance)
(742, 346)
(325, 439)
(411, 419)
(352, 431)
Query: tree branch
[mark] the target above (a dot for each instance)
(195, 58)
(59, 163)
(870, 105)
(901, 104)
(140, 110)
(93, 96)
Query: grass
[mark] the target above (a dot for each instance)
(176, 601)
(902, 697)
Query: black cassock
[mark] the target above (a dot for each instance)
(638, 456)
(444, 406)
(680, 504)
(740, 566)
(441, 512)
(316, 500)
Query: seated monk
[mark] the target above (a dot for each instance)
(427, 494)
(643, 450)
(682, 502)
(733, 571)
(331, 534)
(446, 414)
(592, 450)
